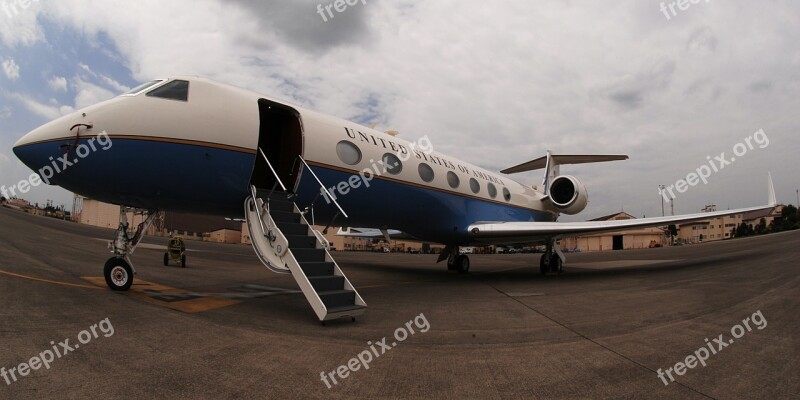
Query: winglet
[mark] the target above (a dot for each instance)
(772, 199)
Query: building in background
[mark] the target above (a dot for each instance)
(96, 213)
(640, 238)
(189, 226)
(725, 227)
(709, 230)
(230, 236)
(771, 215)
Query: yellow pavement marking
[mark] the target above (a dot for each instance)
(147, 292)
(48, 280)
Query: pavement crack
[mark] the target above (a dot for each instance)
(581, 335)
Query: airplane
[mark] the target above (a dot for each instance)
(189, 144)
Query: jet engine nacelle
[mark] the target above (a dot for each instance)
(568, 195)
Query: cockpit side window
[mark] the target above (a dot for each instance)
(175, 90)
(142, 88)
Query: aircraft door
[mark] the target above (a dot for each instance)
(280, 137)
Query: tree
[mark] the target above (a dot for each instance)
(761, 228)
(789, 219)
(743, 230)
(673, 230)
(793, 217)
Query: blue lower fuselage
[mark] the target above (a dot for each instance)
(206, 179)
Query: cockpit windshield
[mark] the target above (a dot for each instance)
(175, 90)
(141, 88)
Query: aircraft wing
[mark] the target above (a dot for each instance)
(521, 232)
(371, 233)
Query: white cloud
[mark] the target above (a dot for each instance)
(58, 83)
(105, 79)
(5, 112)
(21, 28)
(89, 94)
(44, 110)
(11, 69)
(118, 87)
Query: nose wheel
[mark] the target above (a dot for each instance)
(118, 274)
(118, 270)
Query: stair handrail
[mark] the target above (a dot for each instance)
(330, 196)
(278, 180)
(269, 164)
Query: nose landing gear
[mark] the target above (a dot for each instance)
(119, 270)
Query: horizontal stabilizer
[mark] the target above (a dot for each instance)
(541, 162)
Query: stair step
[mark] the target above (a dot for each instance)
(290, 228)
(311, 255)
(285, 206)
(276, 194)
(284, 216)
(354, 307)
(279, 200)
(314, 269)
(302, 241)
(338, 298)
(327, 283)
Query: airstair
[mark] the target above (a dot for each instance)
(285, 242)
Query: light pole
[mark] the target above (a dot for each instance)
(661, 195)
(672, 205)
(798, 198)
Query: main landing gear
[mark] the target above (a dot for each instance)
(552, 260)
(119, 270)
(455, 260)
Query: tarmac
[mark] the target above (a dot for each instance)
(226, 327)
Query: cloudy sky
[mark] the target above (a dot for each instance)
(494, 83)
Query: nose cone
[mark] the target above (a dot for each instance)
(29, 147)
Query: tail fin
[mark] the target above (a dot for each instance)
(551, 163)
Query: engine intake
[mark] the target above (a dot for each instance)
(568, 195)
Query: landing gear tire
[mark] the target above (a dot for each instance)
(166, 259)
(183, 261)
(550, 263)
(543, 264)
(462, 264)
(118, 274)
(451, 265)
